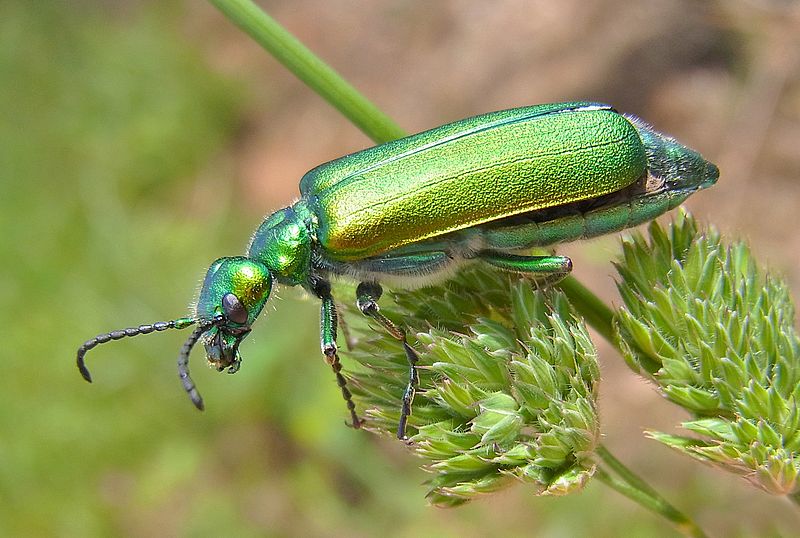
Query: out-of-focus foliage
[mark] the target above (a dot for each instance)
(101, 120)
(717, 335)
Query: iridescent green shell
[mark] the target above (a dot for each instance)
(470, 172)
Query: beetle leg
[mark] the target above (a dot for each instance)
(548, 269)
(328, 322)
(367, 295)
(404, 265)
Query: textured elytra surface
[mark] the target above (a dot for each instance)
(397, 194)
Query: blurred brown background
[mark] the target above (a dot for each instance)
(143, 139)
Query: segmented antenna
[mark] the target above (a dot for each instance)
(183, 365)
(158, 326)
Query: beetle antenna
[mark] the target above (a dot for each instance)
(158, 326)
(183, 362)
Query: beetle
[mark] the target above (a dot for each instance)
(483, 189)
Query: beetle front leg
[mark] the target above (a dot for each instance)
(367, 295)
(328, 322)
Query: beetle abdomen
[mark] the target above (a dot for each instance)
(479, 170)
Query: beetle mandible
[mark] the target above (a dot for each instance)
(483, 189)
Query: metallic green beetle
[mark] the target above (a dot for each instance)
(482, 189)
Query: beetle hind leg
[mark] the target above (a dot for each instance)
(367, 295)
(546, 270)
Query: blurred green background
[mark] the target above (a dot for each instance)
(139, 140)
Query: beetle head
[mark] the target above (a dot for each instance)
(233, 294)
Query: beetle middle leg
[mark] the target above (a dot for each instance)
(367, 295)
(547, 270)
(328, 323)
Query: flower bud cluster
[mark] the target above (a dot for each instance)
(717, 335)
(507, 384)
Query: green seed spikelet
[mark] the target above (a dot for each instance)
(507, 385)
(717, 336)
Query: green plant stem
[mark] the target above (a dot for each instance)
(318, 75)
(366, 116)
(596, 313)
(629, 484)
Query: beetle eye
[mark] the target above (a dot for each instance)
(233, 309)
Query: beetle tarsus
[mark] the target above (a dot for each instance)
(333, 359)
(410, 392)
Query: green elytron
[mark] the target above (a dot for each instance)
(483, 189)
